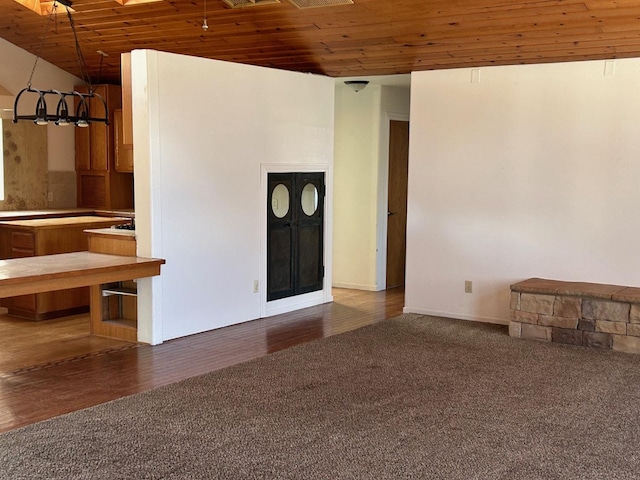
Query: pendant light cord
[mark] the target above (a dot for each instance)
(53, 14)
(81, 62)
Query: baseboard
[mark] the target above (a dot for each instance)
(297, 302)
(459, 316)
(355, 286)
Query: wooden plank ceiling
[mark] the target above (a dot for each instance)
(370, 37)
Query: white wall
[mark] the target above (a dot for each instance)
(361, 173)
(357, 122)
(203, 132)
(15, 68)
(533, 172)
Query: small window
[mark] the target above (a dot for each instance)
(309, 199)
(280, 201)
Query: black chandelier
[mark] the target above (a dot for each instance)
(79, 114)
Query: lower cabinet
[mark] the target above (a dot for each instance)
(28, 238)
(114, 306)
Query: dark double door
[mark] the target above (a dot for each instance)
(295, 243)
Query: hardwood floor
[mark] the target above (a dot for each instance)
(47, 371)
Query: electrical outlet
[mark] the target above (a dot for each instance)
(468, 286)
(256, 286)
(50, 196)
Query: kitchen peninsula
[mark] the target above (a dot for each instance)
(48, 236)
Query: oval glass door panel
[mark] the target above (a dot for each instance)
(280, 200)
(309, 199)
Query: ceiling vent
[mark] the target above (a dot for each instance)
(248, 3)
(319, 3)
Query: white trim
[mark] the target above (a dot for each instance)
(458, 316)
(355, 286)
(383, 198)
(290, 304)
(147, 175)
(310, 299)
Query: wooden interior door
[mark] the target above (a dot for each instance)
(397, 202)
(295, 234)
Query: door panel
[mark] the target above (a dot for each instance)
(397, 202)
(295, 242)
(310, 259)
(280, 262)
(280, 237)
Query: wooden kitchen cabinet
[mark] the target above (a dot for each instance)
(114, 306)
(47, 236)
(127, 98)
(124, 152)
(100, 184)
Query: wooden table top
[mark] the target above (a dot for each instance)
(21, 276)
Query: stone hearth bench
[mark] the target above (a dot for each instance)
(576, 313)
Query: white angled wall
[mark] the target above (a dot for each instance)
(203, 130)
(532, 172)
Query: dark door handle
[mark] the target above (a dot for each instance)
(390, 213)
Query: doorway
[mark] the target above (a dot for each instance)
(295, 234)
(397, 202)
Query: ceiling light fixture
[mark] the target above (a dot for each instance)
(356, 85)
(205, 27)
(62, 117)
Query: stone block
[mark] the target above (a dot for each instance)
(611, 327)
(597, 340)
(633, 329)
(605, 310)
(514, 304)
(524, 317)
(532, 303)
(559, 322)
(565, 335)
(587, 325)
(537, 285)
(627, 294)
(623, 343)
(634, 314)
(589, 290)
(515, 329)
(568, 307)
(536, 332)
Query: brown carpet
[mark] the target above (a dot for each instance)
(410, 398)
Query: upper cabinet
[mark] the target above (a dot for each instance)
(127, 99)
(124, 152)
(100, 185)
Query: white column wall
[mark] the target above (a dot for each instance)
(203, 130)
(533, 172)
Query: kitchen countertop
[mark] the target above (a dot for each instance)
(22, 276)
(32, 214)
(119, 232)
(52, 222)
(66, 212)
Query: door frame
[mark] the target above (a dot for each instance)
(383, 194)
(289, 304)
